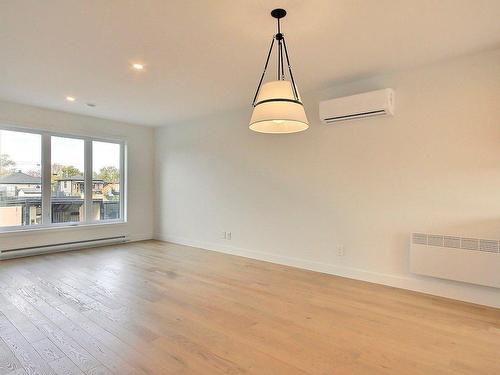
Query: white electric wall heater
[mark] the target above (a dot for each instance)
(368, 104)
(470, 260)
(59, 247)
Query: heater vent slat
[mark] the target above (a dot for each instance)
(470, 244)
(455, 242)
(420, 238)
(489, 245)
(435, 240)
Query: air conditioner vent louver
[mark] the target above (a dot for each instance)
(354, 116)
(368, 104)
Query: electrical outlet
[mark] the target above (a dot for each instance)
(228, 235)
(340, 250)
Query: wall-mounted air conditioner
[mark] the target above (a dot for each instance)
(368, 104)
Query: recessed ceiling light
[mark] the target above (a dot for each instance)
(138, 66)
(70, 98)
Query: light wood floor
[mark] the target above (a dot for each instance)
(157, 308)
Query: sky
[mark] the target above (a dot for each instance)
(25, 150)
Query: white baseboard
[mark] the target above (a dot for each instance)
(140, 237)
(443, 288)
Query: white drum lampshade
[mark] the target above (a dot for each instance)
(277, 110)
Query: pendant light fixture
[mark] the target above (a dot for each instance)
(277, 107)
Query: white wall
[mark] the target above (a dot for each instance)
(366, 184)
(140, 173)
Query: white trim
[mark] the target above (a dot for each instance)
(65, 225)
(88, 182)
(139, 237)
(25, 128)
(46, 179)
(443, 288)
(123, 180)
(24, 230)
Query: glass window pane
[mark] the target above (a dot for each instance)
(68, 183)
(105, 181)
(20, 181)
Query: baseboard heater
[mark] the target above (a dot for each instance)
(470, 260)
(59, 247)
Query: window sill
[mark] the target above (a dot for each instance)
(56, 228)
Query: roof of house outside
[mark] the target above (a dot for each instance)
(20, 178)
(25, 179)
(77, 178)
(31, 190)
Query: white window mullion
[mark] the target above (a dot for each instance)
(46, 174)
(88, 181)
(123, 179)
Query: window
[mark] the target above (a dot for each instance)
(106, 180)
(51, 179)
(68, 184)
(20, 181)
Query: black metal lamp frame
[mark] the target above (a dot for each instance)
(282, 53)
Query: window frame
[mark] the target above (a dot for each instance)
(46, 170)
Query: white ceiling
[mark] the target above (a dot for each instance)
(206, 56)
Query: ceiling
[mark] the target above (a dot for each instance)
(206, 56)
